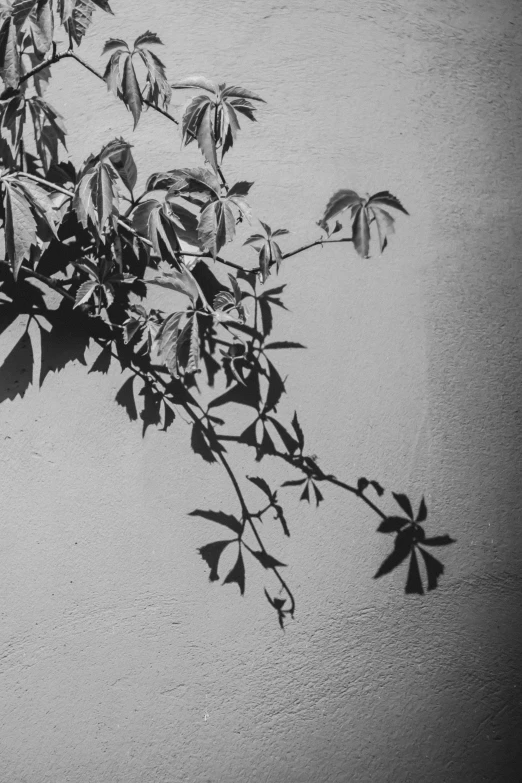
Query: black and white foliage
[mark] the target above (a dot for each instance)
(88, 237)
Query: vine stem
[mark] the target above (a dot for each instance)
(247, 517)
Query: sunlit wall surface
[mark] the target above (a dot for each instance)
(119, 661)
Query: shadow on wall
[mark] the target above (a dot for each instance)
(65, 333)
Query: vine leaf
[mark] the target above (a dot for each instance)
(434, 568)
(217, 223)
(404, 503)
(212, 119)
(21, 9)
(29, 220)
(151, 412)
(267, 248)
(96, 197)
(266, 560)
(298, 431)
(125, 398)
(120, 74)
(402, 548)
(181, 281)
(118, 152)
(227, 520)
(414, 581)
(76, 15)
(237, 574)
(41, 23)
(200, 443)
(211, 554)
(364, 211)
(10, 67)
(166, 342)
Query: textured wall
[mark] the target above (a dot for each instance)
(119, 662)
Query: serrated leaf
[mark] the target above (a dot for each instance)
(240, 92)
(19, 227)
(385, 198)
(125, 398)
(200, 443)
(114, 43)
(385, 225)
(147, 38)
(267, 561)
(361, 232)
(130, 89)
(120, 155)
(195, 82)
(85, 291)
(181, 281)
(205, 136)
(227, 520)
(341, 200)
(305, 494)
(404, 503)
(167, 342)
(21, 9)
(291, 445)
(262, 485)
(294, 483)
(211, 554)
(9, 54)
(240, 189)
(217, 226)
(414, 581)
(193, 359)
(237, 574)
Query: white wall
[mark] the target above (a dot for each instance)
(119, 661)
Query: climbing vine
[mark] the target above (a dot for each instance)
(99, 247)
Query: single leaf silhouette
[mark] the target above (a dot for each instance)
(402, 548)
(267, 561)
(221, 518)
(404, 503)
(200, 443)
(414, 581)
(211, 554)
(434, 568)
(237, 574)
(125, 398)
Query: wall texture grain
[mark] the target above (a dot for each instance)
(119, 661)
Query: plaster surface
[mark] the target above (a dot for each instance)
(119, 661)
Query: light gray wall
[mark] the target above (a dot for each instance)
(119, 661)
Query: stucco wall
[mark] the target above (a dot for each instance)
(119, 661)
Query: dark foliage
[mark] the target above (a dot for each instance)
(82, 250)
